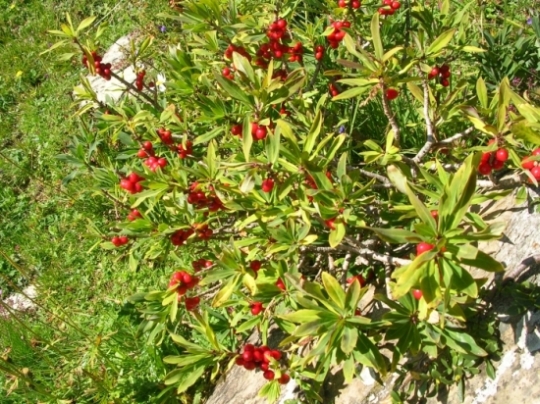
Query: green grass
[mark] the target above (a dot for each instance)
(80, 345)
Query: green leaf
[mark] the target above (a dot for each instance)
(225, 292)
(184, 378)
(481, 92)
(314, 132)
(376, 37)
(336, 234)
(472, 49)
(399, 236)
(303, 316)
(273, 145)
(85, 23)
(243, 65)
(464, 340)
(485, 262)
(334, 289)
(351, 93)
(349, 339)
(442, 41)
(233, 90)
(247, 138)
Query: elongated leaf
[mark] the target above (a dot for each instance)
(351, 93)
(376, 37)
(399, 236)
(303, 316)
(334, 289)
(481, 92)
(232, 89)
(442, 41)
(247, 138)
(336, 234)
(485, 262)
(349, 339)
(314, 132)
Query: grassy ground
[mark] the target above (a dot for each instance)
(79, 344)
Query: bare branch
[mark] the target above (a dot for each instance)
(385, 182)
(515, 273)
(454, 138)
(510, 181)
(429, 126)
(390, 114)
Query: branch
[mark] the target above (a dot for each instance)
(510, 181)
(385, 182)
(389, 114)
(429, 126)
(455, 137)
(515, 273)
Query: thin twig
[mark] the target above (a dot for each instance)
(390, 114)
(429, 126)
(381, 178)
(452, 139)
(314, 78)
(510, 181)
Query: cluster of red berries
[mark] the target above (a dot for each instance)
(356, 4)
(204, 232)
(139, 82)
(119, 240)
(132, 183)
(492, 160)
(184, 151)
(134, 215)
(179, 237)
(389, 7)
(337, 35)
(103, 69)
(276, 48)
(228, 73)
(165, 136)
(200, 264)
(391, 94)
(258, 132)
(319, 52)
(238, 49)
(267, 185)
(531, 165)
(443, 73)
(256, 308)
(253, 357)
(153, 163)
(280, 74)
(147, 150)
(333, 89)
(182, 281)
(201, 200)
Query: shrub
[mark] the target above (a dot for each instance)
(291, 148)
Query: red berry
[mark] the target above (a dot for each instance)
(256, 308)
(527, 164)
(536, 172)
(536, 152)
(391, 94)
(497, 164)
(248, 356)
(280, 284)
(249, 365)
(484, 168)
(486, 158)
(356, 4)
(236, 130)
(226, 71)
(249, 347)
(445, 82)
(255, 265)
(444, 68)
(423, 247)
(142, 154)
(284, 379)
(417, 293)
(342, 3)
(395, 5)
(434, 214)
(358, 278)
(330, 223)
(268, 375)
(148, 146)
(267, 185)
(274, 353)
(433, 73)
(239, 361)
(260, 133)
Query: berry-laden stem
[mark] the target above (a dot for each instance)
(390, 114)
